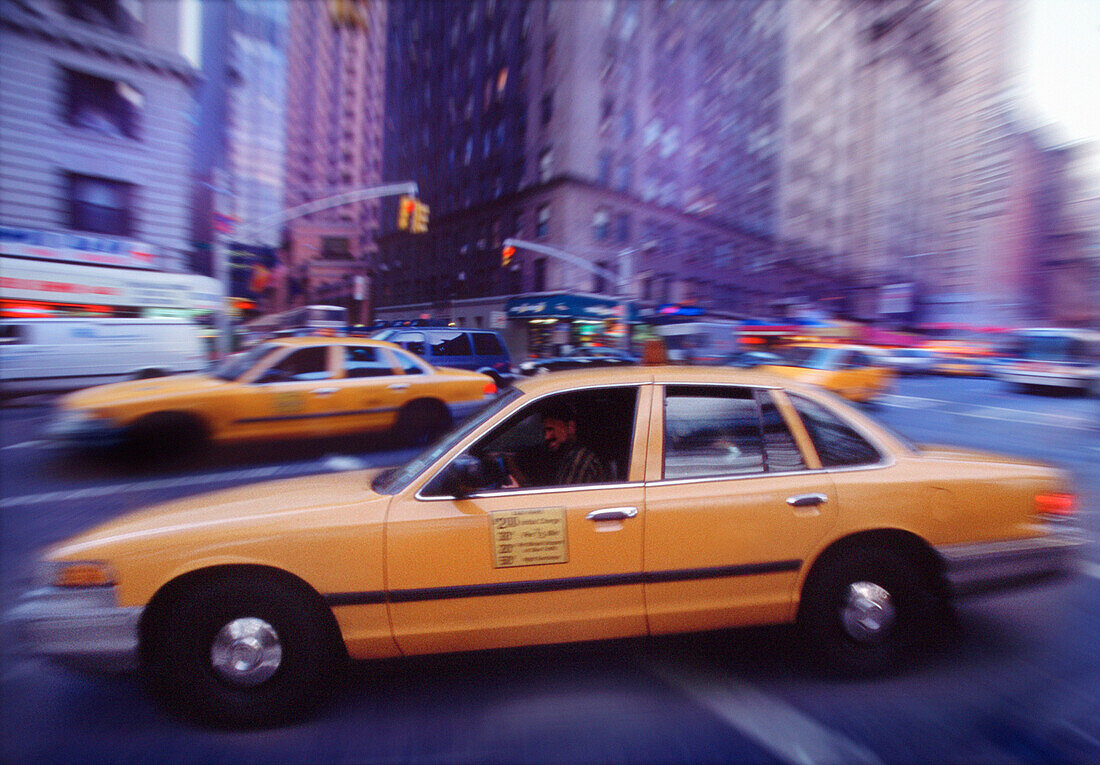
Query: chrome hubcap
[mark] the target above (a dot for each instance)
(246, 651)
(868, 611)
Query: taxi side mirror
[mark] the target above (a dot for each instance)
(272, 376)
(466, 475)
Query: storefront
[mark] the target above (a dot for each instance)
(555, 322)
(49, 273)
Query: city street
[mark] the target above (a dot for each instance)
(1018, 681)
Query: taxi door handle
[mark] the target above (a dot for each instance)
(807, 500)
(324, 391)
(612, 514)
(397, 386)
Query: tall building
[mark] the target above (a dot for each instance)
(335, 85)
(635, 136)
(97, 105)
(897, 152)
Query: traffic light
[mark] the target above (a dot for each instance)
(506, 256)
(405, 207)
(420, 217)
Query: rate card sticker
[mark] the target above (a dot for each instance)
(532, 537)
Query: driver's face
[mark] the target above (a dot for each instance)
(557, 432)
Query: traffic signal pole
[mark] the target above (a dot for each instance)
(623, 278)
(221, 250)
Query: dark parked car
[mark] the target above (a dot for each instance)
(478, 350)
(585, 357)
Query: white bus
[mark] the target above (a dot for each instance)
(304, 320)
(699, 342)
(1051, 358)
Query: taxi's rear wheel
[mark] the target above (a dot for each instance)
(242, 652)
(865, 611)
(165, 433)
(421, 422)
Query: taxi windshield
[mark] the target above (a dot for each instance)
(393, 481)
(236, 365)
(811, 358)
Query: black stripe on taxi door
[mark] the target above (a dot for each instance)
(551, 585)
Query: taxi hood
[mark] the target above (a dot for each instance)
(100, 395)
(282, 506)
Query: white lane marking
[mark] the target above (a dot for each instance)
(1050, 419)
(341, 463)
(1088, 568)
(23, 445)
(171, 483)
(782, 730)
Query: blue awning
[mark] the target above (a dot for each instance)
(566, 306)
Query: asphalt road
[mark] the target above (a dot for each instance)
(1019, 680)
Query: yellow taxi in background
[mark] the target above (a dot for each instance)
(287, 388)
(854, 372)
(722, 498)
(960, 359)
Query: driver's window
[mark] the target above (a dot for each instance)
(302, 365)
(575, 438)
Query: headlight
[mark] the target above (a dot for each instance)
(83, 573)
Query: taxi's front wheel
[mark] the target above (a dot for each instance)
(242, 652)
(866, 611)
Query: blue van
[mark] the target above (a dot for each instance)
(479, 350)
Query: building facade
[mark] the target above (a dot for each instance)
(97, 103)
(334, 122)
(638, 137)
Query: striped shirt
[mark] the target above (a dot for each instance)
(578, 464)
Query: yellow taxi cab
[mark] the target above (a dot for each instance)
(286, 388)
(854, 372)
(960, 359)
(717, 498)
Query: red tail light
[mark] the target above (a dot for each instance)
(1055, 504)
(490, 388)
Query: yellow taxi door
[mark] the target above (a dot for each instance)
(520, 566)
(372, 389)
(291, 395)
(735, 503)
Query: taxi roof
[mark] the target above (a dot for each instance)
(627, 375)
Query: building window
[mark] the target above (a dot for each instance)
(601, 223)
(120, 15)
(600, 281)
(622, 228)
(546, 165)
(540, 275)
(335, 248)
(103, 105)
(542, 222)
(100, 205)
(603, 168)
(547, 107)
(623, 176)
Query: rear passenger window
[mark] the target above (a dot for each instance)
(410, 341)
(780, 449)
(365, 362)
(451, 344)
(837, 443)
(486, 344)
(409, 365)
(711, 431)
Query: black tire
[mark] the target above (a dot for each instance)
(421, 422)
(149, 374)
(165, 434)
(180, 660)
(866, 611)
